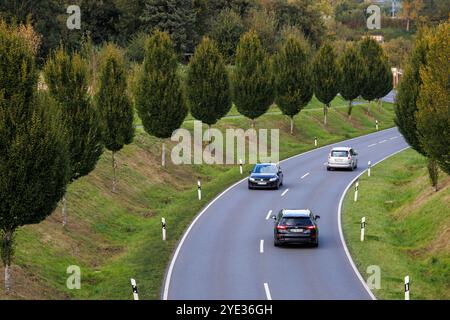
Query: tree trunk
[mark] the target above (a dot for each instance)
(7, 257)
(325, 114)
(380, 104)
(163, 154)
(350, 108)
(253, 123)
(64, 211)
(208, 134)
(368, 108)
(407, 25)
(114, 172)
(292, 125)
(433, 173)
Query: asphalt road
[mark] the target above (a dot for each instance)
(228, 252)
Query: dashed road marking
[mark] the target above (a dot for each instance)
(268, 215)
(382, 141)
(266, 288)
(393, 138)
(304, 176)
(372, 145)
(284, 193)
(261, 246)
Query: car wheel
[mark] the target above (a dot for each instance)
(276, 243)
(328, 169)
(316, 244)
(250, 188)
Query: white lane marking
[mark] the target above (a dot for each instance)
(261, 246)
(304, 176)
(268, 215)
(372, 145)
(341, 233)
(266, 288)
(284, 193)
(382, 141)
(393, 138)
(188, 230)
(325, 163)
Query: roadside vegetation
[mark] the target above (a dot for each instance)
(407, 228)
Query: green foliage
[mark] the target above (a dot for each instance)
(375, 73)
(352, 70)
(265, 24)
(208, 86)
(433, 115)
(176, 17)
(34, 166)
(226, 32)
(408, 93)
(251, 80)
(292, 77)
(67, 80)
(112, 100)
(326, 74)
(159, 99)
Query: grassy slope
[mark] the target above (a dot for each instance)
(408, 228)
(114, 237)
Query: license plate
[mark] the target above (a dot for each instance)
(262, 183)
(297, 230)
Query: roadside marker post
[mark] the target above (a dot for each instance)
(240, 166)
(376, 125)
(369, 165)
(363, 227)
(356, 190)
(407, 288)
(199, 188)
(315, 141)
(135, 289)
(163, 225)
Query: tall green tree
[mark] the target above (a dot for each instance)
(375, 71)
(176, 17)
(114, 104)
(433, 115)
(252, 82)
(208, 84)
(352, 70)
(67, 78)
(226, 32)
(34, 166)
(159, 101)
(293, 88)
(326, 77)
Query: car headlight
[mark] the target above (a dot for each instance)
(273, 179)
(252, 179)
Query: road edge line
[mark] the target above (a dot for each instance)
(341, 234)
(168, 275)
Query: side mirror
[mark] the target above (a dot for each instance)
(274, 217)
(317, 217)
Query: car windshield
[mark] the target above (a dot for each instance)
(296, 222)
(339, 154)
(265, 169)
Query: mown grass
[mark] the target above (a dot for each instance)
(114, 237)
(407, 231)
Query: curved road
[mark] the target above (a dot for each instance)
(228, 251)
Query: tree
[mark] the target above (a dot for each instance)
(293, 89)
(226, 32)
(114, 104)
(385, 84)
(352, 70)
(176, 17)
(208, 84)
(159, 99)
(251, 80)
(375, 71)
(67, 79)
(411, 10)
(433, 115)
(265, 25)
(34, 166)
(326, 77)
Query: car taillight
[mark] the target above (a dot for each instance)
(349, 158)
(311, 228)
(281, 227)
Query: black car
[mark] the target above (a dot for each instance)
(265, 176)
(296, 227)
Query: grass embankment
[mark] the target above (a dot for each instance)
(114, 237)
(407, 230)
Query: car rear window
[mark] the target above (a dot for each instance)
(265, 169)
(296, 222)
(339, 154)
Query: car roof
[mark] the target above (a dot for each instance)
(266, 164)
(341, 149)
(296, 213)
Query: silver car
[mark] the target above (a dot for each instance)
(342, 157)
